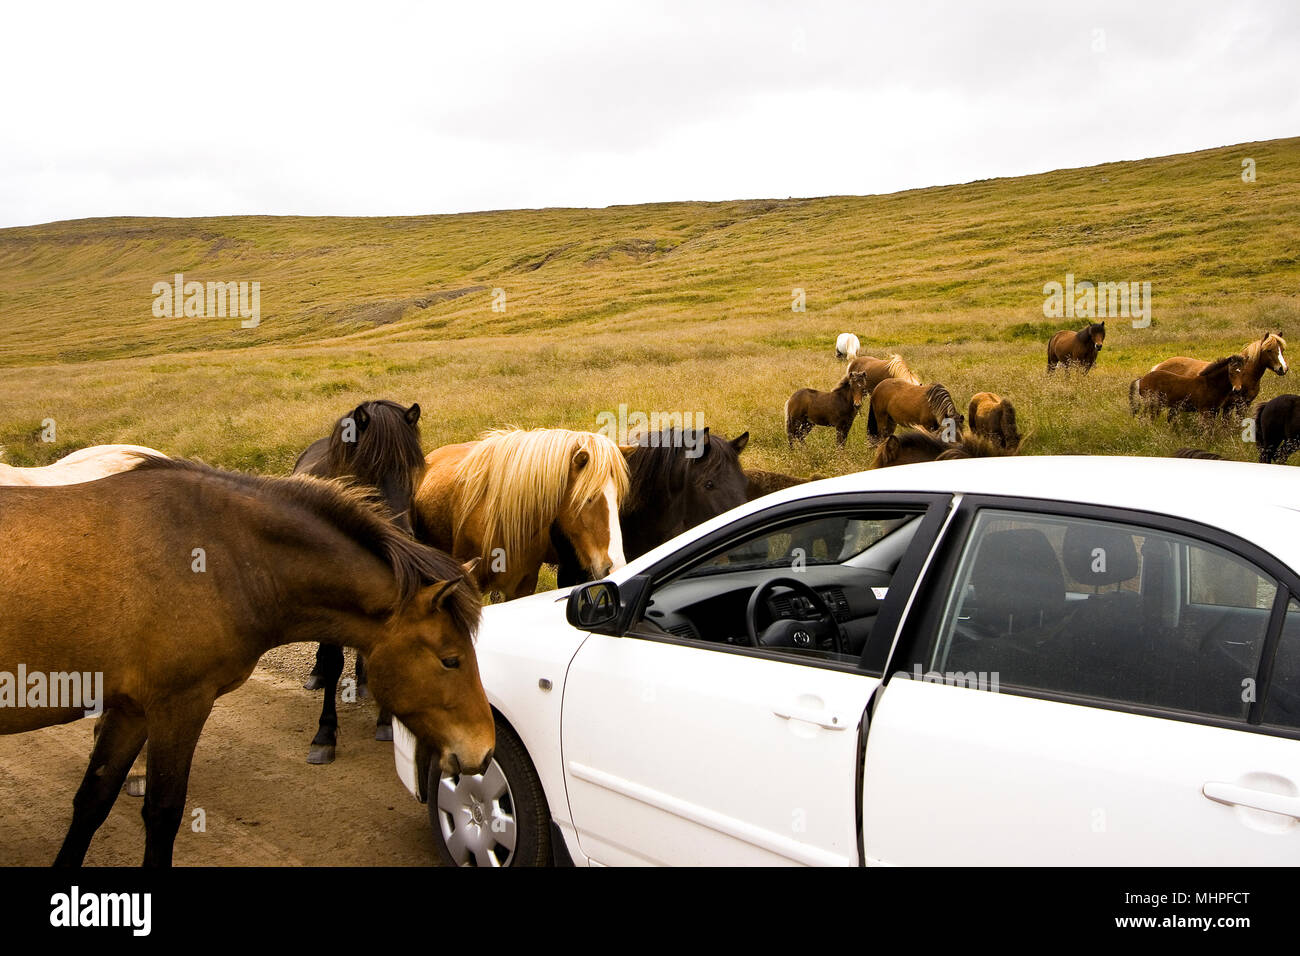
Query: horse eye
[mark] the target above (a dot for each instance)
(708, 486)
(451, 663)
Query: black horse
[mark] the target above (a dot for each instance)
(375, 444)
(1277, 428)
(679, 478)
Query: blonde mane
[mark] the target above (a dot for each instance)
(1254, 349)
(520, 480)
(898, 369)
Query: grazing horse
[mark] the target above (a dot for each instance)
(914, 445)
(808, 407)
(286, 559)
(1277, 428)
(87, 464)
(895, 402)
(1263, 354)
(677, 480)
(377, 444)
(1076, 348)
(1197, 453)
(877, 370)
(759, 483)
(497, 499)
(1203, 392)
(846, 346)
(994, 417)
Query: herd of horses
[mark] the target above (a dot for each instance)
(171, 578)
(895, 397)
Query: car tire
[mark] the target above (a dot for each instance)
(497, 818)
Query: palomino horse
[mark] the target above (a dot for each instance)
(497, 498)
(88, 464)
(286, 559)
(1204, 392)
(994, 417)
(1259, 356)
(847, 345)
(837, 409)
(894, 402)
(914, 445)
(377, 444)
(1076, 348)
(877, 370)
(677, 480)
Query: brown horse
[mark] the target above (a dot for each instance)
(894, 402)
(1204, 392)
(166, 583)
(837, 409)
(1260, 356)
(877, 370)
(1197, 453)
(914, 445)
(1076, 348)
(497, 499)
(994, 417)
(760, 483)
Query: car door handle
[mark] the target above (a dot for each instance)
(1232, 793)
(822, 718)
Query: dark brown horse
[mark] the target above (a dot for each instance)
(377, 444)
(1197, 453)
(759, 483)
(1204, 392)
(837, 409)
(677, 479)
(1264, 354)
(877, 370)
(1277, 428)
(915, 445)
(994, 417)
(1079, 349)
(895, 402)
(168, 582)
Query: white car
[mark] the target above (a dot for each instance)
(995, 661)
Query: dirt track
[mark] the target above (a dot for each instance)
(264, 805)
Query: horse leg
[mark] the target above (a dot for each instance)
(322, 745)
(316, 679)
(384, 724)
(363, 688)
(120, 737)
(173, 733)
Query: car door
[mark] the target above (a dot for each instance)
(680, 747)
(1086, 686)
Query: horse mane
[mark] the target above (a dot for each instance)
(1085, 333)
(940, 402)
(915, 437)
(897, 368)
(660, 461)
(387, 445)
(1217, 366)
(358, 513)
(1197, 453)
(522, 476)
(1252, 351)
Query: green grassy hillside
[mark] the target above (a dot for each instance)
(678, 306)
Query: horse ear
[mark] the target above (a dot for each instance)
(434, 596)
(739, 442)
(627, 450)
(413, 414)
(580, 459)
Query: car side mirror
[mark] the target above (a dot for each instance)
(594, 607)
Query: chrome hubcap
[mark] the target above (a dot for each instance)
(477, 817)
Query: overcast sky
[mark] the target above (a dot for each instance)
(377, 108)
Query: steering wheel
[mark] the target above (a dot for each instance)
(798, 633)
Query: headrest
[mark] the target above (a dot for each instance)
(1099, 554)
(1018, 580)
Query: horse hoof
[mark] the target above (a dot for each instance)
(313, 682)
(384, 732)
(135, 786)
(320, 753)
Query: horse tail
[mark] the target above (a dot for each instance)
(1010, 434)
(873, 429)
(1133, 404)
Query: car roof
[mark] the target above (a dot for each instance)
(1260, 503)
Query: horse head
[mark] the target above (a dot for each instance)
(588, 517)
(1272, 345)
(1097, 333)
(715, 482)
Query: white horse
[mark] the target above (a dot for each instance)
(97, 461)
(846, 346)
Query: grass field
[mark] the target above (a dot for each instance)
(679, 306)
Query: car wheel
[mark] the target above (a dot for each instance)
(496, 818)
